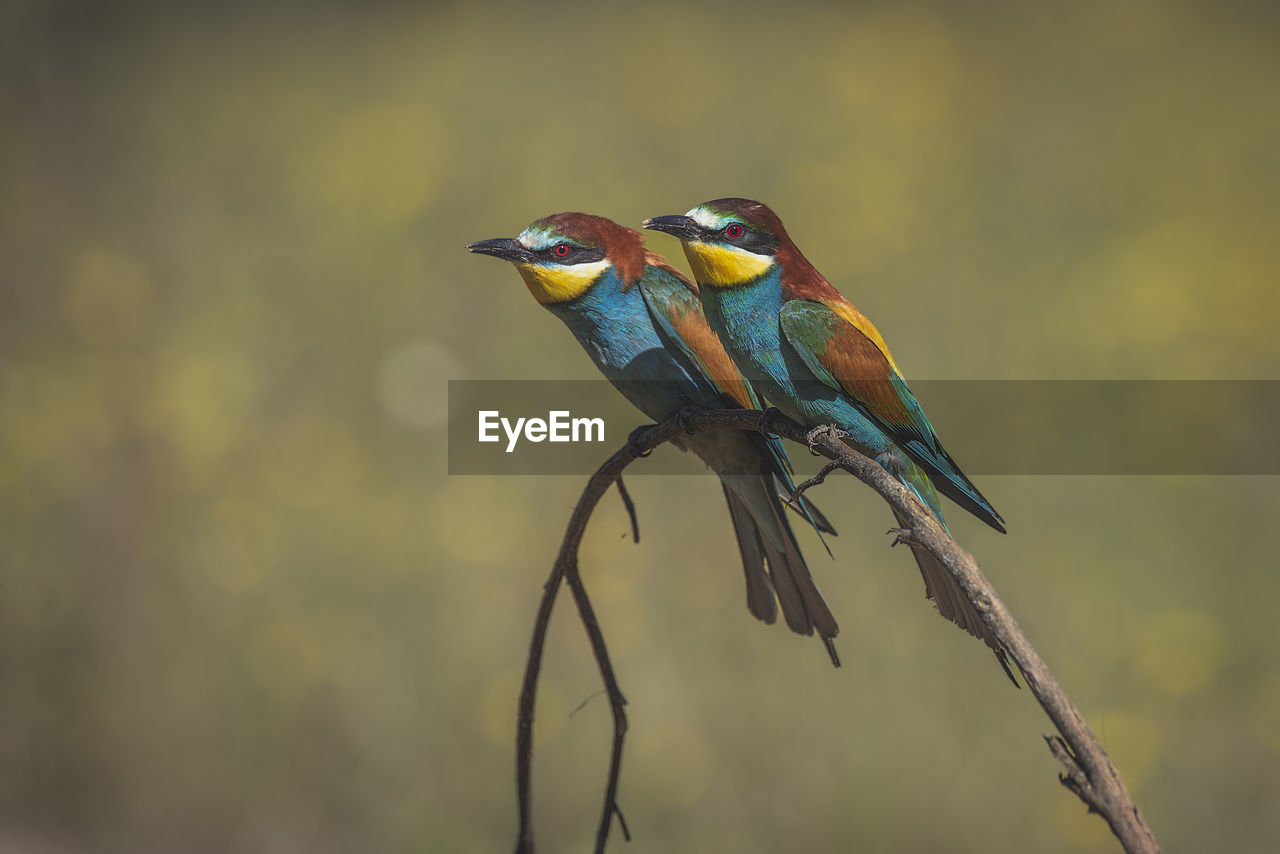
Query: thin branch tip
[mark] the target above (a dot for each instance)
(631, 510)
(820, 477)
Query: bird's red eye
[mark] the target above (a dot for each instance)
(734, 230)
(561, 250)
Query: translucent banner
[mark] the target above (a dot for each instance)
(996, 427)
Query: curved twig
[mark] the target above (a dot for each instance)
(1090, 772)
(566, 569)
(631, 510)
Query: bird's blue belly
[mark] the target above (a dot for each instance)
(746, 320)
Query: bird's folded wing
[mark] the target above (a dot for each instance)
(846, 352)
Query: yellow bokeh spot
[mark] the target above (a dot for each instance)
(912, 47)
(202, 403)
(1069, 820)
(1134, 741)
(1155, 276)
(1180, 651)
(481, 523)
(107, 298)
(287, 655)
(1264, 713)
(614, 567)
(376, 166)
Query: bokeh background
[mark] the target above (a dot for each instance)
(244, 608)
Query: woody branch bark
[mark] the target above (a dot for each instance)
(1089, 772)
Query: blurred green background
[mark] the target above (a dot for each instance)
(242, 606)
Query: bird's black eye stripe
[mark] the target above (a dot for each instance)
(750, 239)
(567, 253)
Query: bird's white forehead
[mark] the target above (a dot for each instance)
(708, 218)
(537, 237)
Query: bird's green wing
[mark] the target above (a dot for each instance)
(676, 309)
(845, 351)
(848, 359)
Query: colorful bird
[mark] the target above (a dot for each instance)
(810, 353)
(641, 322)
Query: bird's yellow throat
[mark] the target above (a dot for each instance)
(553, 283)
(720, 266)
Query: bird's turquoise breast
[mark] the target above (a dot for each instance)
(615, 329)
(746, 319)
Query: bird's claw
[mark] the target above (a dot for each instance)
(900, 535)
(820, 432)
(633, 440)
(765, 414)
(683, 416)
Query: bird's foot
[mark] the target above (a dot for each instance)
(683, 416)
(633, 440)
(765, 414)
(901, 535)
(819, 433)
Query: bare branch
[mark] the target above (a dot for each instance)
(1090, 773)
(565, 568)
(818, 478)
(631, 509)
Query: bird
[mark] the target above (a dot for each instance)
(819, 360)
(640, 320)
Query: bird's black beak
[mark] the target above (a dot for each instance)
(504, 248)
(679, 226)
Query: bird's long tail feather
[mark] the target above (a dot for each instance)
(763, 531)
(761, 600)
(951, 482)
(941, 587)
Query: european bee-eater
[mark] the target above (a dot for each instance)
(810, 353)
(641, 322)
